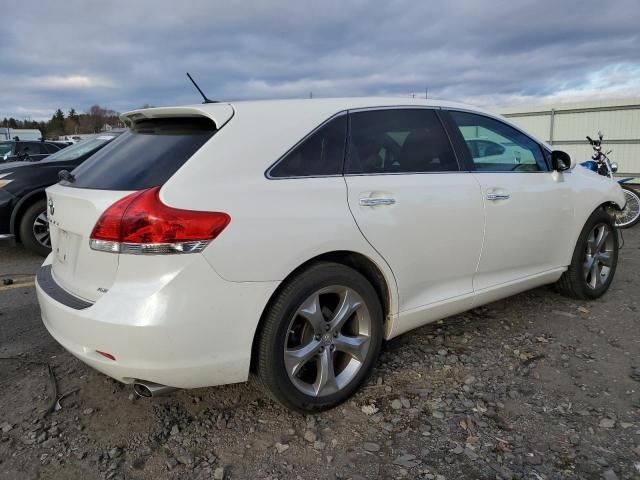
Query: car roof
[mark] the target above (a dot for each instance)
(310, 111)
(338, 103)
(351, 103)
(221, 112)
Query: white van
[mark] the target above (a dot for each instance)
(21, 133)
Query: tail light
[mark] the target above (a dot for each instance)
(141, 224)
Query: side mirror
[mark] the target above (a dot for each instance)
(561, 161)
(614, 167)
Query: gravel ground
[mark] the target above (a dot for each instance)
(533, 387)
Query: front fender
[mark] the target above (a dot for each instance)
(591, 191)
(13, 223)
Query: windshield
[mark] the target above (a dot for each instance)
(5, 148)
(79, 149)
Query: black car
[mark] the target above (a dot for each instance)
(23, 209)
(20, 150)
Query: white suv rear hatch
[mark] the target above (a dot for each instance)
(144, 157)
(73, 212)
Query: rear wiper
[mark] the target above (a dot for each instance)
(66, 175)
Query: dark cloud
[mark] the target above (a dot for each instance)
(123, 54)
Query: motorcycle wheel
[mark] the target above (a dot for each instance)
(630, 214)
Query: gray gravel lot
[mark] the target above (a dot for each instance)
(533, 387)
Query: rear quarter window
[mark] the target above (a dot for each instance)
(145, 156)
(320, 154)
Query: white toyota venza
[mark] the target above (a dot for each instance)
(290, 238)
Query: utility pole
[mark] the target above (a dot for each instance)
(426, 93)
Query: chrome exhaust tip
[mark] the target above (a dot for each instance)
(146, 389)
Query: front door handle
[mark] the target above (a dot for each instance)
(375, 201)
(498, 196)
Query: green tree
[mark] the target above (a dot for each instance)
(56, 124)
(72, 122)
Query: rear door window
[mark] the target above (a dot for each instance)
(145, 156)
(320, 154)
(37, 148)
(51, 148)
(399, 141)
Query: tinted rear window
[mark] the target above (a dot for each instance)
(145, 156)
(399, 141)
(320, 154)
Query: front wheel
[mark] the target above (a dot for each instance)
(630, 214)
(320, 338)
(34, 229)
(594, 260)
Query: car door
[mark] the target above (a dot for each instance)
(528, 207)
(413, 205)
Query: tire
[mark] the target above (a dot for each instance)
(591, 272)
(304, 337)
(33, 221)
(630, 216)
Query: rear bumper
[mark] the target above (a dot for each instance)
(189, 329)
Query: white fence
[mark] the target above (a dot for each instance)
(567, 125)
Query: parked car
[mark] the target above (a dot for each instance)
(292, 237)
(23, 210)
(480, 147)
(15, 150)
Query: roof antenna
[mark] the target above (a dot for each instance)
(206, 100)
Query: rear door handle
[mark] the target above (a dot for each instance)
(375, 201)
(498, 196)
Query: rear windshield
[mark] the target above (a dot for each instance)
(145, 156)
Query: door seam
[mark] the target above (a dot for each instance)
(355, 221)
(484, 237)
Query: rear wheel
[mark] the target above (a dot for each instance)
(321, 336)
(630, 214)
(34, 229)
(594, 259)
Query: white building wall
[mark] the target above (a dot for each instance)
(566, 126)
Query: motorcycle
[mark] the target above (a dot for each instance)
(601, 164)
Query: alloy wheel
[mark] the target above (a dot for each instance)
(40, 229)
(327, 341)
(598, 255)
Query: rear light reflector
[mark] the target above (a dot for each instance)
(141, 224)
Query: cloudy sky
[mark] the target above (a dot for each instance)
(123, 54)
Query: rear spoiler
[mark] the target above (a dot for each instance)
(220, 113)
